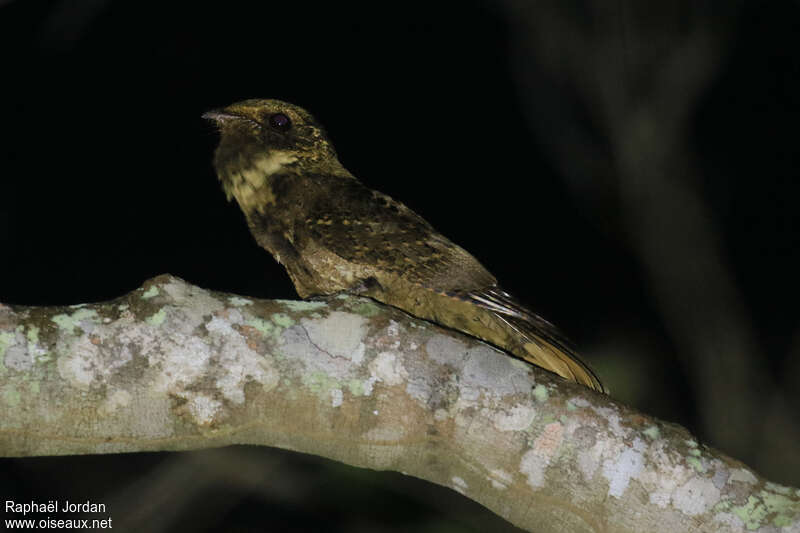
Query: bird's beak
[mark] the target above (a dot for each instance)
(220, 116)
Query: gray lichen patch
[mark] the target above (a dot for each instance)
(515, 418)
(82, 363)
(203, 370)
(389, 369)
(622, 466)
(481, 367)
(338, 335)
(194, 301)
(14, 351)
(204, 409)
(698, 495)
(181, 362)
(335, 359)
(236, 363)
(478, 377)
(446, 350)
(488, 369)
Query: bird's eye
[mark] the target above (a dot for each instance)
(280, 122)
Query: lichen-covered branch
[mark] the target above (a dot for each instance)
(175, 367)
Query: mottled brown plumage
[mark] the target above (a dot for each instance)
(333, 234)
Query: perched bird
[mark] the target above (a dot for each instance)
(333, 234)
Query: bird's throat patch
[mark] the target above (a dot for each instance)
(251, 185)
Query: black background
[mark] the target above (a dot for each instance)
(105, 181)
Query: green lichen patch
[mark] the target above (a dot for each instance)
(282, 320)
(783, 509)
(320, 383)
(33, 334)
(752, 513)
(365, 309)
(780, 489)
(302, 305)
(767, 507)
(652, 432)
(540, 393)
(360, 306)
(150, 293)
(264, 326)
(696, 464)
(356, 387)
(722, 506)
(70, 322)
(157, 318)
(41, 355)
(547, 419)
(6, 341)
(11, 396)
(238, 301)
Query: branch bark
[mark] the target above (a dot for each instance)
(171, 366)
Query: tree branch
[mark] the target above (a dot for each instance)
(174, 367)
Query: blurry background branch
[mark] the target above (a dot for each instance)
(173, 367)
(633, 74)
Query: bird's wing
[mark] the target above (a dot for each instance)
(363, 226)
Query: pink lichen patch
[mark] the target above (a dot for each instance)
(536, 460)
(547, 443)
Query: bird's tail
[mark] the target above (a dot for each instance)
(533, 338)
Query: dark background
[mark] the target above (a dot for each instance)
(629, 172)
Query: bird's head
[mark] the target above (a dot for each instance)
(261, 138)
